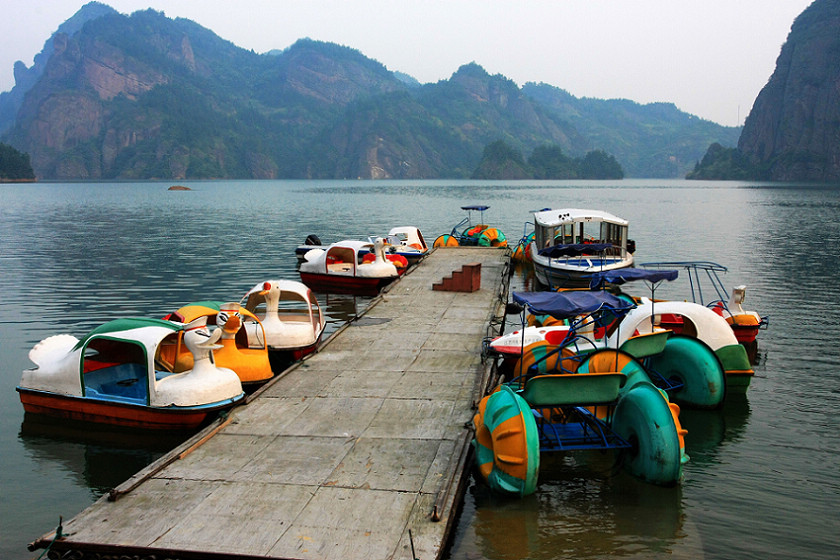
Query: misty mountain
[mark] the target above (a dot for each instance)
(144, 96)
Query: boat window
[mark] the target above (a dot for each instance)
(168, 351)
(118, 371)
(613, 233)
(340, 254)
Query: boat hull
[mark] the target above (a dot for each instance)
(335, 283)
(119, 414)
(573, 273)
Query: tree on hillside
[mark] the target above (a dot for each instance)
(14, 165)
(598, 164)
(721, 163)
(549, 162)
(501, 161)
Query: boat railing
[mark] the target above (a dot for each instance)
(699, 272)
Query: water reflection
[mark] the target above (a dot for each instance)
(100, 458)
(581, 510)
(708, 430)
(761, 471)
(341, 308)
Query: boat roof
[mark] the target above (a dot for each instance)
(193, 311)
(571, 215)
(292, 286)
(479, 207)
(354, 244)
(698, 265)
(629, 274)
(561, 305)
(141, 329)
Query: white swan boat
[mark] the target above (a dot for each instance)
(289, 320)
(115, 375)
(349, 266)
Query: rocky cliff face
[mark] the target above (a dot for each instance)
(793, 130)
(147, 97)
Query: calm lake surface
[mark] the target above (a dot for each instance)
(764, 475)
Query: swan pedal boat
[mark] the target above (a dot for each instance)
(288, 319)
(745, 323)
(238, 351)
(404, 241)
(570, 244)
(349, 266)
(117, 375)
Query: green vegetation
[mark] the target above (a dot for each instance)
(198, 107)
(549, 162)
(721, 163)
(501, 161)
(14, 165)
(653, 140)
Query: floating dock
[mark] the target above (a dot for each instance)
(357, 452)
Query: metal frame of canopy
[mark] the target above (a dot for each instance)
(653, 278)
(565, 305)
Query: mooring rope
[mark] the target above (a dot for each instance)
(58, 535)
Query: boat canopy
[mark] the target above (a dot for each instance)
(551, 218)
(149, 331)
(192, 311)
(622, 275)
(574, 249)
(479, 207)
(562, 305)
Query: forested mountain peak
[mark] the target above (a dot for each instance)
(144, 96)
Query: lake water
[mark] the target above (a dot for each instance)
(764, 475)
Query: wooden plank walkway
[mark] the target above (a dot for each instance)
(358, 452)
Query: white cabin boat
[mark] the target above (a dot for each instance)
(570, 244)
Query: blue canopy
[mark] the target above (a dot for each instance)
(574, 249)
(561, 305)
(478, 207)
(622, 275)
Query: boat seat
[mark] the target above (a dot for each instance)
(573, 389)
(647, 344)
(121, 382)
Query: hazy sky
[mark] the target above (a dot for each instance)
(709, 57)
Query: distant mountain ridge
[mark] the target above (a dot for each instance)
(148, 97)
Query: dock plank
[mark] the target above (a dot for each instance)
(344, 455)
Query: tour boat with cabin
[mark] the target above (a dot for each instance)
(570, 244)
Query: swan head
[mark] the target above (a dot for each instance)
(229, 320)
(199, 340)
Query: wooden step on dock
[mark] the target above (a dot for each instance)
(357, 452)
(467, 279)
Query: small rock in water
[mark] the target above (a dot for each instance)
(179, 188)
